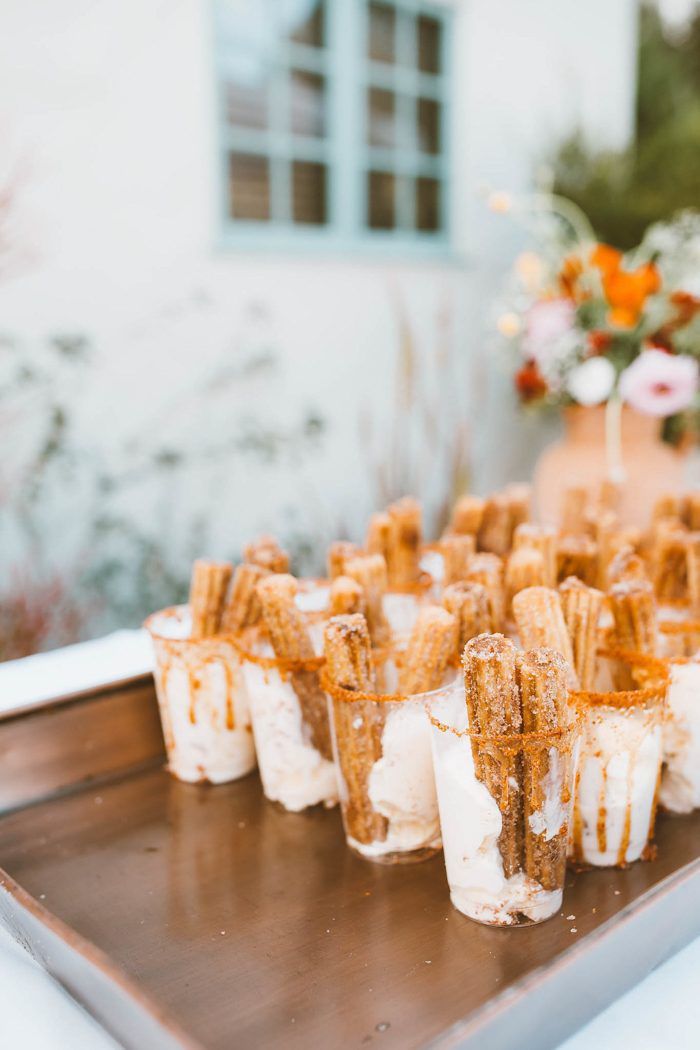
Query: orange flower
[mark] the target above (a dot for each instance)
(529, 382)
(687, 305)
(625, 290)
(571, 270)
(606, 258)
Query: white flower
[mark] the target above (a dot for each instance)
(591, 383)
(660, 384)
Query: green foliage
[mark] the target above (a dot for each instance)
(659, 174)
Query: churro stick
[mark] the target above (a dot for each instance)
(495, 533)
(369, 570)
(291, 641)
(267, 553)
(405, 542)
(626, 565)
(519, 498)
(347, 597)
(467, 515)
(573, 510)
(541, 675)
(541, 538)
(692, 553)
(469, 604)
(339, 553)
(581, 607)
(610, 495)
(540, 622)
(457, 552)
(524, 568)
(667, 507)
(432, 645)
(358, 724)
(692, 511)
(379, 533)
(243, 605)
(210, 580)
(670, 563)
(633, 608)
(577, 556)
(487, 569)
(493, 705)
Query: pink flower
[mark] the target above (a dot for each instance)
(547, 322)
(659, 384)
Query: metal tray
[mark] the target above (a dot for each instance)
(196, 916)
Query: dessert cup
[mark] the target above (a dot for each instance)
(619, 768)
(294, 751)
(387, 787)
(203, 709)
(479, 778)
(680, 777)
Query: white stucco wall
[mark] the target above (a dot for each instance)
(108, 106)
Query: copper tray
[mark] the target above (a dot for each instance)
(192, 916)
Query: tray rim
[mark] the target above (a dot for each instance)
(20, 913)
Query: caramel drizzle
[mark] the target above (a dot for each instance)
(577, 830)
(627, 827)
(602, 819)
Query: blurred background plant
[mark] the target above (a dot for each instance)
(624, 191)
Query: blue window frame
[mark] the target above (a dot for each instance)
(334, 120)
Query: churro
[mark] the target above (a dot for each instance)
(340, 552)
(346, 597)
(581, 607)
(493, 705)
(487, 569)
(267, 553)
(467, 515)
(577, 556)
(358, 724)
(540, 621)
(369, 570)
(291, 641)
(430, 648)
(541, 538)
(457, 552)
(496, 532)
(469, 604)
(242, 607)
(403, 561)
(541, 676)
(524, 568)
(208, 586)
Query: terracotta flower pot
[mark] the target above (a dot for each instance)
(650, 467)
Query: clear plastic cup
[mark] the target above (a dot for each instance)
(294, 752)
(505, 805)
(680, 778)
(619, 769)
(387, 786)
(203, 709)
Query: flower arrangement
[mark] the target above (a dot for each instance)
(593, 326)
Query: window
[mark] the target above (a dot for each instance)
(334, 121)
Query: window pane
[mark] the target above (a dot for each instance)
(308, 192)
(381, 193)
(429, 32)
(427, 204)
(381, 126)
(249, 186)
(308, 103)
(428, 118)
(246, 105)
(381, 33)
(312, 29)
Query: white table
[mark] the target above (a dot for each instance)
(36, 1014)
